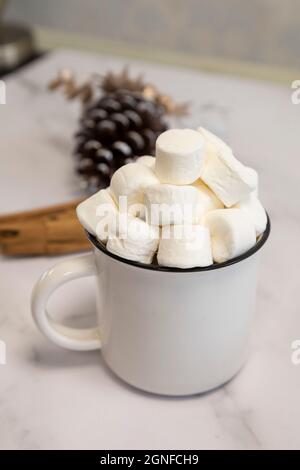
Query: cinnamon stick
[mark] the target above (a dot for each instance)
(55, 209)
(51, 230)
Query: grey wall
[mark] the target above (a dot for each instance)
(266, 31)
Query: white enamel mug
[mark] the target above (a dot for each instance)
(164, 330)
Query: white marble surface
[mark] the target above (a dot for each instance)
(51, 398)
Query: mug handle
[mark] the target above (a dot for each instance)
(76, 339)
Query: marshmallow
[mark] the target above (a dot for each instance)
(185, 246)
(207, 200)
(136, 240)
(211, 142)
(130, 181)
(98, 208)
(168, 204)
(179, 156)
(147, 160)
(254, 175)
(228, 178)
(253, 207)
(232, 233)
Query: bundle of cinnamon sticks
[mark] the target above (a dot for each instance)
(48, 231)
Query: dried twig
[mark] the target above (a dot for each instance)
(111, 82)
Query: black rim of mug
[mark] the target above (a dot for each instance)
(261, 241)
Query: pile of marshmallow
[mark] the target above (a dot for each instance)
(194, 170)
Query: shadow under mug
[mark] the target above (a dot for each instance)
(164, 330)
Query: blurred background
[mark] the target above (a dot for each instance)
(233, 34)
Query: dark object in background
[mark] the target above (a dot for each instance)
(121, 120)
(114, 131)
(16, 47)
(16, 44)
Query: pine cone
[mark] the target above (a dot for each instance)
(115, 130)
